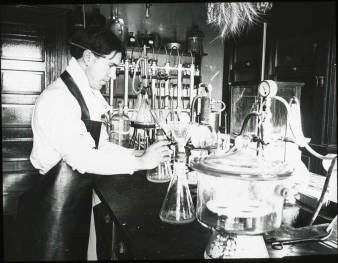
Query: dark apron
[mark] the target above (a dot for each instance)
(54, 217)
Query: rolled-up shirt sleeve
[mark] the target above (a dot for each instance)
(77, 148)
(68, 135)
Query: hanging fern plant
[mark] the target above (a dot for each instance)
(232, 18)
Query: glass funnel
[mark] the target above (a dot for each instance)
(178, 207)
(162, 173)
(180, 133)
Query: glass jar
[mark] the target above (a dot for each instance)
(195, 40)
(119, 128)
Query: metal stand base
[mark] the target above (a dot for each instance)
(223, 245)
(143, 135)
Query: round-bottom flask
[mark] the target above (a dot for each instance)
(178, 207)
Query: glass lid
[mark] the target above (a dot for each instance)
(243, 166)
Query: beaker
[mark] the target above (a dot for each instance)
(162, 173)
(178, 207)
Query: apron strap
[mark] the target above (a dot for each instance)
(93, 127)
(73, 88)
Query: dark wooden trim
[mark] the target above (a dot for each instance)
(226, 92)
(331, 117)
(41, 8)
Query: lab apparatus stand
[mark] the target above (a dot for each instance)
(177, 206)
(272, 181)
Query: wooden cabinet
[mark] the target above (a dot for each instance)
(33, 54)
(300, 48)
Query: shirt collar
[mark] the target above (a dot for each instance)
(78, 75)
(96, 104)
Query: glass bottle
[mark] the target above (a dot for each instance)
(119, 128)
(178, 207)
(162, 173)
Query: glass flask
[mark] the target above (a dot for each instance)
(162, 173)
(142, 114)
(178, 207)
(202, 136)
(119, 128)
(143, 123)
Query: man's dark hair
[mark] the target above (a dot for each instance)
(99, 41)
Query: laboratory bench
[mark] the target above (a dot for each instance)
(134, 204)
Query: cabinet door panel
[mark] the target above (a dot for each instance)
(293, 73)
(17, 133)
(16, 115)
(243, 100)
(33, 51)
(29, 48)
(26, 82)
(17, 98)
(246, 62)
(245, 74)
(296, 52)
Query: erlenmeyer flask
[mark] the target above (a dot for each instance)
(142, 114)
(177, 207)
(162, 173)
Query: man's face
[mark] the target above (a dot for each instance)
(102, 69)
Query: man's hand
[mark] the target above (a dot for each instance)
(154, 155)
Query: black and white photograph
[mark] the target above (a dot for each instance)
(183, 130)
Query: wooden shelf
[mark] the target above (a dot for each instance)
(135, 96)
(130, 96)
(161, 51)
(252, 82)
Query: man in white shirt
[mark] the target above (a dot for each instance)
(70, 148)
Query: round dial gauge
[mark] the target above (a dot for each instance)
(267, 88)
(264, 89)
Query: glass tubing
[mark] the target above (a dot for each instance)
(151, 73)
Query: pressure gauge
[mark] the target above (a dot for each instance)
(267, 88)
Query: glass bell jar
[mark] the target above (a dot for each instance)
(239, 193)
